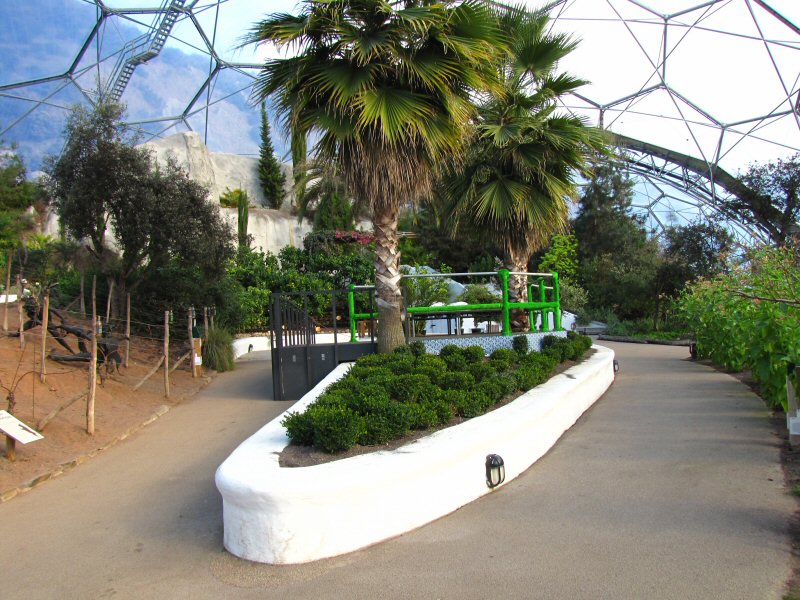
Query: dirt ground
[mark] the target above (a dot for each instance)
(118, 409)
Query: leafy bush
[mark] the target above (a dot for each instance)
(473, 354)
(336, 428)
(529, 376)
(412, 388)
(449, 350)
(555, 346)
(218, 350)
(520, 344)
(481, 371)
(739, 325)
(505, 354)
(367, 372)
(300, 427)
(467, 404)
(415, 348)
(459, 380)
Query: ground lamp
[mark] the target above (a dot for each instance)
(495, 470)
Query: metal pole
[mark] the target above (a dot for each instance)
(545, 313)
(503, 274)
(557, 300)
(351, 305)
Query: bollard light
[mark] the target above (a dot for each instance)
(495, 470)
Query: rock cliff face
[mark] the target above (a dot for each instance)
(215, 170)
(271, 229)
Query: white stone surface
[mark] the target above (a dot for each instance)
(216, 170)
(284, 516)
(242, 346)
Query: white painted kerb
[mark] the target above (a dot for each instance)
(295, 515)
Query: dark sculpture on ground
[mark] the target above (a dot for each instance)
(107, 344)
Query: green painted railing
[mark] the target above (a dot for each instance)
(542, 307)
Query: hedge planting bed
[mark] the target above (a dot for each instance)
(386, 396)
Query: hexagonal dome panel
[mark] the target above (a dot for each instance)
(691, 86)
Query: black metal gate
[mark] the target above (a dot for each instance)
(301, 355)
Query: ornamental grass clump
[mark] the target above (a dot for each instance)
(386, 396)
(218, 350)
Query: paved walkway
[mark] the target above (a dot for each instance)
(670, 487)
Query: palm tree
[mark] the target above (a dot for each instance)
(522, 165)
(384, 90)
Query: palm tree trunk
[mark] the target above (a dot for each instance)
(517, 261)
(387, 280)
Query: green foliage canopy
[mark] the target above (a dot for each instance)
(160, 217)
(17, 194)
(750, 318)
(385, 89)
(269, 169)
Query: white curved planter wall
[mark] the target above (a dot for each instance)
(295, 515)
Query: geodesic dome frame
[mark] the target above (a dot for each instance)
(694, 90)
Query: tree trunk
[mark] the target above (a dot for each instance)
(517, 261)
(387, 281)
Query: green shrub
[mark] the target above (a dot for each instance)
(555, 345)
(422, 416)
(386, 421)
(300, 427)
(467, 404)
(218, 350)
(431, 373)
(529, 377)
(366, 372)
(368, 398)
(493, 388)
(458, 380)
(481, 371)
(473, 354)
(449, 350)
(385, 396)
(417, 348)
(412, 388)
(432, 361)
(336, 428)
(456, 362)
(444, 411)
(520, 344)
(500, 365)
(508, 383)
(505, 354)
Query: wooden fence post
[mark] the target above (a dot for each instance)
(191, 341)
(20, 293)
(83, 301)
(108, 303)
(8, 290)
(92, 363)
(166, 354)
(127, 330)
(45, 322)
(205, 324)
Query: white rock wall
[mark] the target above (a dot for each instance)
(218, 171)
